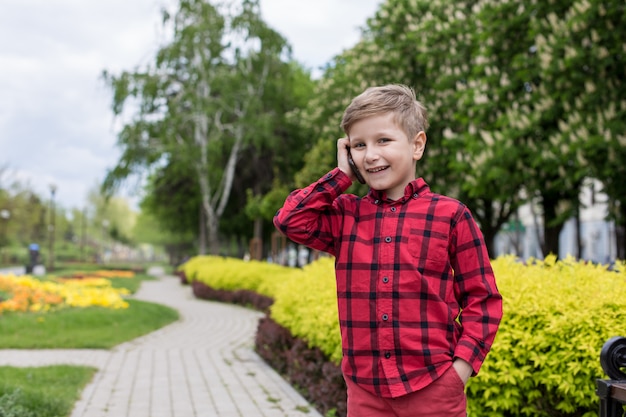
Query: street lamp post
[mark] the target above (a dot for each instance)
(105, 227)
(83, 230)
(51, 226)
(5, 215)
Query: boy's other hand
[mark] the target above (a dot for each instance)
(342, 158)
(463, 368)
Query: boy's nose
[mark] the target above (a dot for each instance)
(371, 155)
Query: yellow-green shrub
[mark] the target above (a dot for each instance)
(304, 299)
(545, 359)
(235, 274)
(307, 306)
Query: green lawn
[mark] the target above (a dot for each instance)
(49, 391)
(83, 328)
(52, 391)
(131, 284)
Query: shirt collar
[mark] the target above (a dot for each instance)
(413, 189)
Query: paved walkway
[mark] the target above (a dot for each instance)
(203, 365)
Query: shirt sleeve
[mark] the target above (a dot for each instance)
(309, 215)
(476, 290)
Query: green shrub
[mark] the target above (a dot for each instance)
(12, 405)
(307, 306)
(47, 391)
(544, 361)
(304, 299)
(235, 274)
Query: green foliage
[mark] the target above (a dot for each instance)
(224, 273)
(77, 234)
(11, 405)
(264, 207)
(304, 299)
(544, 361)
(48, 391)
(171, 206)
(525, 99)
(24, 219)
(211, 117)
(307, 306)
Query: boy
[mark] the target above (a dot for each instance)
(418, 303)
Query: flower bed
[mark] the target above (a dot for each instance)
(25, 293)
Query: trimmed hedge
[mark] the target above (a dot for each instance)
(545, 359)
(235, 274)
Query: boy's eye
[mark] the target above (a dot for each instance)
(358, 145)
(383, 140)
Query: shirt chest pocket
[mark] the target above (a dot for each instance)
(428, 245)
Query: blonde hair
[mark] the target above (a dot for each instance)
(410, 115)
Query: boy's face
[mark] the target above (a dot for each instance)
(384, 154)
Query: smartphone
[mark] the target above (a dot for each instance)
(354, 168)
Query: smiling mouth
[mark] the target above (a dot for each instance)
(375, 170)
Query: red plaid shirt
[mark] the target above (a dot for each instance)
(415, 288)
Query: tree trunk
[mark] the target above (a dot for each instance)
(213, 235)
(489, 234)
(579, 243)
(550, 232)
(620, 234)
(210, 216)
(258, 240)
(620, 247)
(215, 200)
(202, 232)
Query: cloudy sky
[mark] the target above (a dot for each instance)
(56, 126)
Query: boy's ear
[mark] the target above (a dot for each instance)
(419, 145)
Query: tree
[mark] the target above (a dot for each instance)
(427, 45)
(467, 158)
(512, 89)
(582, 60)
(172, 198)
(202, 102)
(150, 230)
(27, 222)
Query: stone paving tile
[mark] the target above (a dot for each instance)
(203, 365)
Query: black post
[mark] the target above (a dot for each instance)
(612, 393)
(51, 228)
(612, 398)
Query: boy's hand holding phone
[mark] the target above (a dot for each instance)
(343, 151)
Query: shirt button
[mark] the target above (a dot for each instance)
(387, 355)
(393, 209)
(385, 317)
(415, 195)
(388, 239)
(385, 280)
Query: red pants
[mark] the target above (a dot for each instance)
(444, 397)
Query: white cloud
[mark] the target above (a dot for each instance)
(56, 125)
(319, 30)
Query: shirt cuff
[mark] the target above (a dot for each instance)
(339, 176)
(472, 352)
